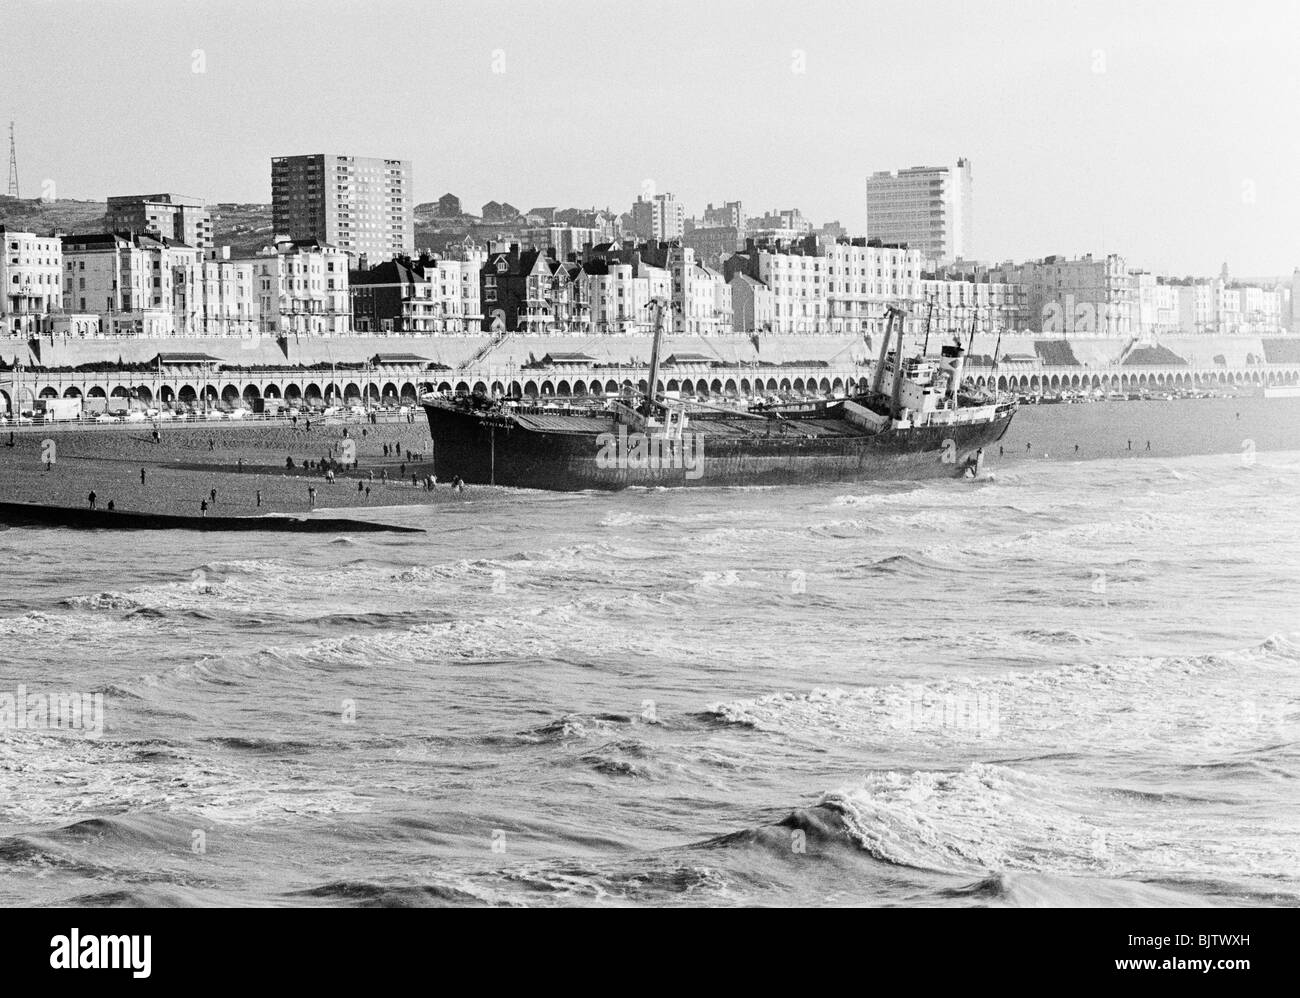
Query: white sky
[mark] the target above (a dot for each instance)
(1167, 131)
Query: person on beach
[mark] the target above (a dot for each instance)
(415, 479)
(212, 444)
(1130, 445)
(259, 498)
(141, 476)
(361, 486)
(110, 505)
(203, 507)
(1028, 446)
(91, 497)
(157, 437)
(1148, 445)
(367, 493)
(1076, 448)
(311, 497)
(401, 469)
(213, 493)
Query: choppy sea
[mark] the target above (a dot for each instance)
(1073, 682)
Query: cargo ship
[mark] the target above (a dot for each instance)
(914, 422)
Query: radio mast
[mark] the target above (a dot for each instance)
(13, 163)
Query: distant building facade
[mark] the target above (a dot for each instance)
(216, 296)
(361, 206)
(426, 296)
(129, 279)
(302, 288)
(659, 218)
(1081, 296)
(174, 216)
(928, 208)
(31, 280)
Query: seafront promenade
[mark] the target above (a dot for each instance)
(396, 369)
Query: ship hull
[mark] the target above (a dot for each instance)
(491, 449)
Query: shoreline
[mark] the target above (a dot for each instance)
(245, 465)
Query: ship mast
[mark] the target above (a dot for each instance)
(659, 305)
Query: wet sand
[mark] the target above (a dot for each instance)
(239, 461)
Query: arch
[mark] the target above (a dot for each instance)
(408, 391)
(498, 389)
(824, 385)
(643, 387)
(516, 390)
(120, 392)
(444, 387)
(187, 394)
(715, 386)
(166, 395)
(462, 388)
(772, 385)
(229, 393)
(797, 385)
(702, 388)
(480, 388)
(530, 389)
(1055, 382)
(611, 387)
(6, 402)
(48, 392)
(144, 394)
(251, 393)
(292, 392)
(730, 387)
(595, 388)
(785, 384)
(312, 393)
(745, 387)
(548, 388)
(72, 393)
(271, 391)
(674, 385)
(351, 391)
(837, 385)
(564, 388)
(389, 390)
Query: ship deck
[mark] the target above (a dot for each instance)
(711, 425)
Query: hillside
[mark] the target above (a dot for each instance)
(246, 228)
